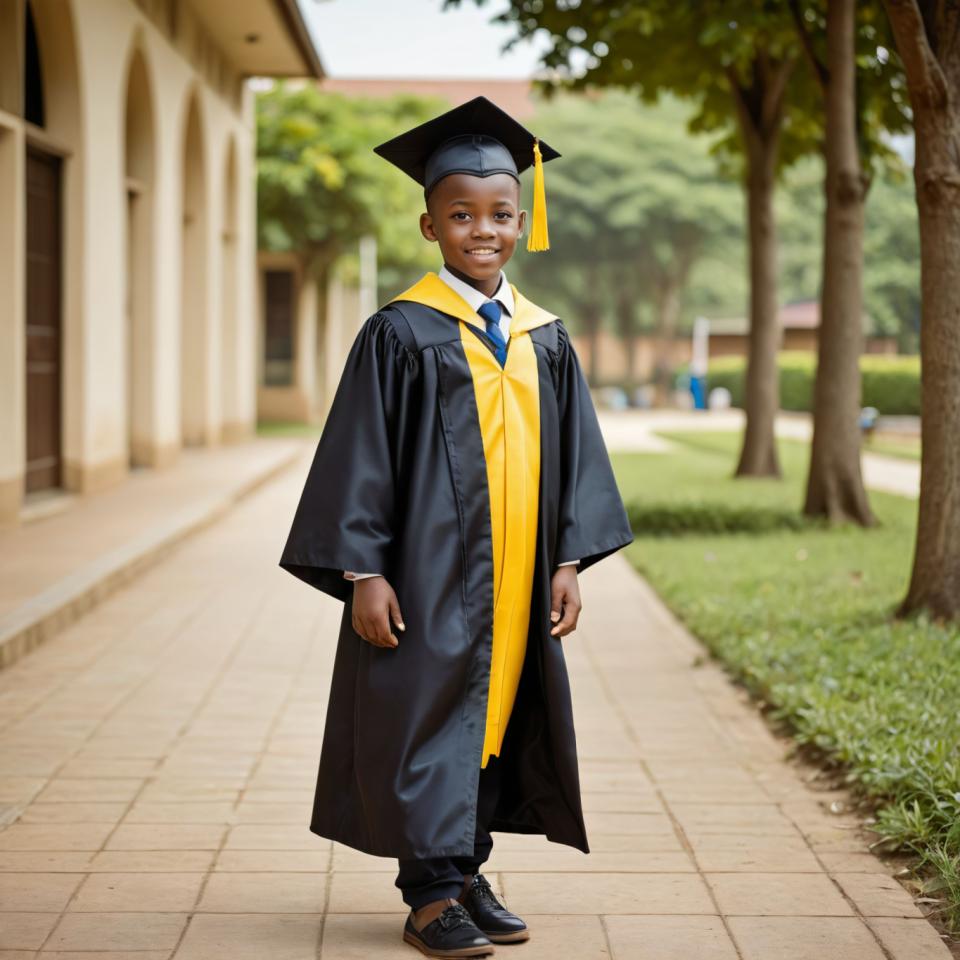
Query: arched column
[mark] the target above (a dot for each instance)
(138, 188)
(194, 313)
(231, 373)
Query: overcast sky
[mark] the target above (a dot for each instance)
(414, 38)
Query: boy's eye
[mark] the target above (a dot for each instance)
(504, 215)
(461, 215)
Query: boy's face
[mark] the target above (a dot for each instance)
(476, 221)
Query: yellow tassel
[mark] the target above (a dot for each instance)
(539, 238)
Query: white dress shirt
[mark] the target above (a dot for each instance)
(502, 295)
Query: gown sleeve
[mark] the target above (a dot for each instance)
(345, 520)
(592, 520)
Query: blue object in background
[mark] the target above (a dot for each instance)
(698, 390)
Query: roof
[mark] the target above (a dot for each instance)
(266, 38)
(798, 315)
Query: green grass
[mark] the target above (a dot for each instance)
(894, 445)
(803, 618)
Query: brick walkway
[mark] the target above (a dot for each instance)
(157, 763)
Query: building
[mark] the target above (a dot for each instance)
(127, 231)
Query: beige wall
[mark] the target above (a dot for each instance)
(326, 322)
(114, 415)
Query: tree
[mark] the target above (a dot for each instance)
(734, 59)
(926, 33)
(320, 187)
(858, 106)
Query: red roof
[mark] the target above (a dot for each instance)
(513, 96)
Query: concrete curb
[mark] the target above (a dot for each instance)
(54, 609)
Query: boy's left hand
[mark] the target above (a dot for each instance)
(564, 600)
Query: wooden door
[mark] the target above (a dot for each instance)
(44, 262)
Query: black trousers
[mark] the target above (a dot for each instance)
(437, 878)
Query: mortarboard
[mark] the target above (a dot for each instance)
(480, 139)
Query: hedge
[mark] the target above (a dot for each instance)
(889, 383)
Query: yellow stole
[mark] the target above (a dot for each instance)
(508, 404)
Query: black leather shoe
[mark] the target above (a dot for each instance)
(452, 934)
(491, 916)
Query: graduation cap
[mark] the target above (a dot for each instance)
(480, 139)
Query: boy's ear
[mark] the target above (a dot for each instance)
(521, 223)
(426, 227)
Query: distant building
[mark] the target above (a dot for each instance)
(800, 322)
(127, 231)
(729, 336)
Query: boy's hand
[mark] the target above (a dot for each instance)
(564, 600)
(374, 606)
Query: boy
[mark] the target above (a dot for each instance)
(459, 484)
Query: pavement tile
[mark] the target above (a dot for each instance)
(236, 936)
(36, 892)
(25, 931)
(364, 892)
(167, 836)
(182, 812)
(778, 894)
(274, 861)
(152, 861)
(63, 790)
(143, 892)
(804, 938)
(909, 939)
(757, 859)
(20, 861)
(264, 893)
(876, 895)
(363, 936)
(273, 837)
(284, 813)
(669, 938)
(549, 861)
(606, 893)
(73, 813)
(54, 836)
(117, 931)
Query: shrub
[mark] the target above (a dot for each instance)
(891, 384)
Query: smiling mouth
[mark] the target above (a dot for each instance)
(482, 251)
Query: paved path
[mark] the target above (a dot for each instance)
(633, 431)
(157, 762)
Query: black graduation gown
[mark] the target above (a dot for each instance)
(397, 486)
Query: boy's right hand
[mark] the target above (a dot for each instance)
(374, 607)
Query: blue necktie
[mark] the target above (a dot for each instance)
(490, 311)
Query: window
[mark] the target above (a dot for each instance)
(278, 328)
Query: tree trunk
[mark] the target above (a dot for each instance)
(834, 484)
(668, 315)
(627, 324)
(758, 456)
(759, 105)
(933, 81)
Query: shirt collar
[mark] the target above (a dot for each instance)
(503, 294)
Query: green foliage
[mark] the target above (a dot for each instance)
(633, 200)
(803, 618)
(321, 187)
(889, 383)
(704, 516)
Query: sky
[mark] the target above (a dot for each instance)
(415, 38)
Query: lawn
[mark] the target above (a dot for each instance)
(803, 617)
